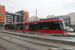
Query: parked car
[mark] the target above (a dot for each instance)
(69, 29)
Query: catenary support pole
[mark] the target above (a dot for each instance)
(23, 27)
(15, 23)
(36, 15)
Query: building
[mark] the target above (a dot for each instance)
(72, 19)
(2, 16)
(20, 16)
(33, 18)
(9, 19)
(51, 16)
(24, 17)
(66, 19)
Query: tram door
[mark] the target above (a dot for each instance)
(33, 27)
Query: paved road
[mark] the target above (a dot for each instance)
(58, 38)
(19, 42)
(52, 43)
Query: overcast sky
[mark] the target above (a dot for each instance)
(44, 7)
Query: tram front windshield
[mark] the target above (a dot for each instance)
(62, 25)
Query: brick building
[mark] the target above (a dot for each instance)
(2, 16)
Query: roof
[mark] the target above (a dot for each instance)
(52, 20)
(9, 23)
(10, 13)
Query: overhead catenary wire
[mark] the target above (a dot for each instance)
(20, 4)
(57, 6)
(42, 8)
(17, 5)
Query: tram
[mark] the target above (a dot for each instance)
(51, 26)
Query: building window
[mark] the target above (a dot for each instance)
(0, 6)
(0, 19)
(3, 7)
(67, 21)
(3, 12)
(3, 17)
(0, 14)
(0, 9)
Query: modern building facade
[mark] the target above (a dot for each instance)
(24, 17)
(72, 19)
(9, 19)
(2, 16)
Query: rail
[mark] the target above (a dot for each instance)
(45, 42)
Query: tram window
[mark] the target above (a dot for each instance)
(36, 27)
(44, 26)
(33, 26)
(26, 24)
(11, 26)
(6, 26)
(50, 26)
(19, 26)
(55, 26)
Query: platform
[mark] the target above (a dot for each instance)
(56, 38)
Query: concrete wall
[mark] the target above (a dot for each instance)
(51, 16)
(72, 20)
(33, 18)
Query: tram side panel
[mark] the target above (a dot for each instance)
(45, 27)
(10, 27)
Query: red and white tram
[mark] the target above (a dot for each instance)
(52, 25)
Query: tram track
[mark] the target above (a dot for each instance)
(46, 34)
(26, 40)
(45, 42)
(2, 48)
(28, 48)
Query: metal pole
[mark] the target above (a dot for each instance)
(12, 18)
(23, 27)
(24, 23)
(36, 15)
(15, 23)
